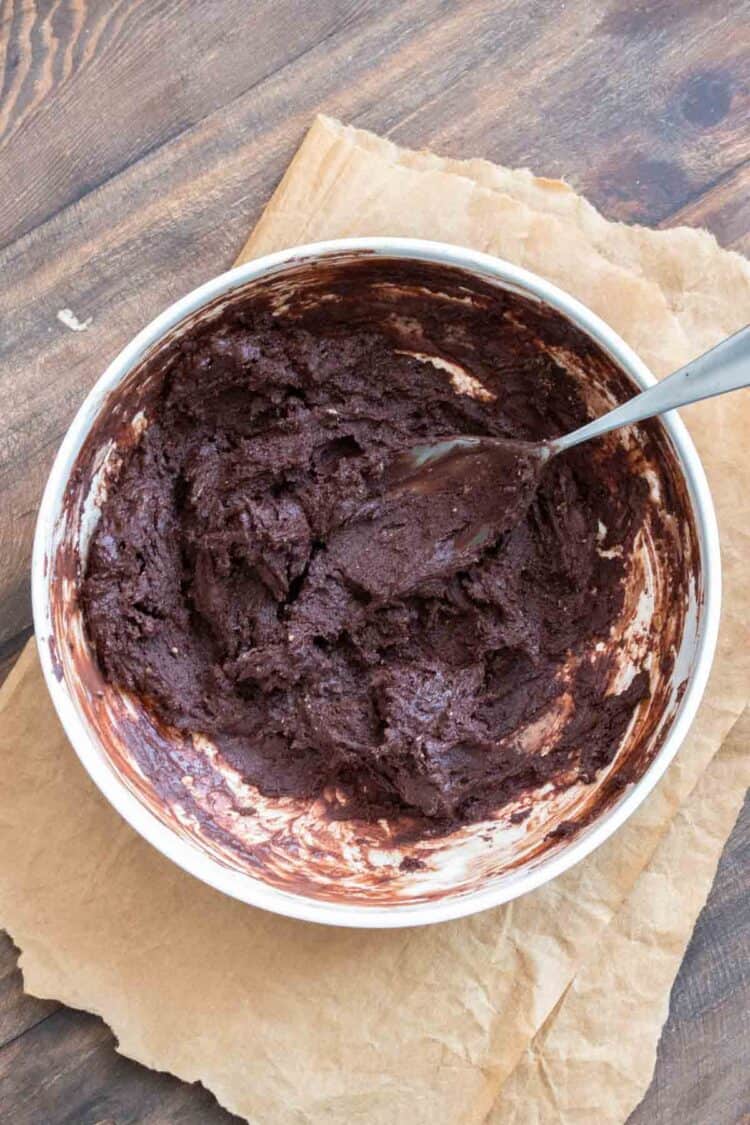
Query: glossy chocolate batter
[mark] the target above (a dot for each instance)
(254, 579)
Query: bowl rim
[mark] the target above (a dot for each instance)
(241, 885)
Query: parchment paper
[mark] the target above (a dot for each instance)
(288, 1022)
(622, 995)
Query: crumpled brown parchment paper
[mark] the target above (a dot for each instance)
(525, 1014)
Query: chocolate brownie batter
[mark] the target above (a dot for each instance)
(257, 578)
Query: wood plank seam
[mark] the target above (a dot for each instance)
(175, 135)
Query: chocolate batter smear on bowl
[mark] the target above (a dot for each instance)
(253, 580)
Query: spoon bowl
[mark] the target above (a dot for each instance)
(505, 472)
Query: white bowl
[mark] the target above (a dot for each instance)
(99, 726)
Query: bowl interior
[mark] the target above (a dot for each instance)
(277, 851)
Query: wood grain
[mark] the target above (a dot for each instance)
(702, 1075)
(19, 1012)
(64, 57)
(724, 210)
(138, 142)
(66, 1071)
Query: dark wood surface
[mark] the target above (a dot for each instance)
(139, 140)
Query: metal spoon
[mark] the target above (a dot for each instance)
(496, 478)
(725, 367)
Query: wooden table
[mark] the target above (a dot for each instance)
(138, 143)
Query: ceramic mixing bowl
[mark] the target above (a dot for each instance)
(288, 855)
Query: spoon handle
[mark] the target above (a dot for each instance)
(724, 368)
